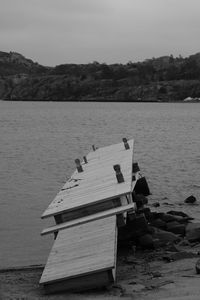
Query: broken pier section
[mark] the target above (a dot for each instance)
(89, 208)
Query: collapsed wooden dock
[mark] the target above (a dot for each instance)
(89, 208)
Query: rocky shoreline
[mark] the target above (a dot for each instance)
(162, 79)
(158, 258)
(149, 229)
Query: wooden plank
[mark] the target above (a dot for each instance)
(98, 197)
(109, 149)
(97, 216)
(86, 189)
(97, 182)
(82, 283)
(88, 210)
(82, 250)
(86, 200)
(78, 203)
(103, 170)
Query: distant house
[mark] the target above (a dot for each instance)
(188, 99)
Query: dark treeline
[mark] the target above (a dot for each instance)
(161, 69)
(165, 78)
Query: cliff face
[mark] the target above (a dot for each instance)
(13, 63)
(158, 79)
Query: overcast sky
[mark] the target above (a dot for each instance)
(52, 32)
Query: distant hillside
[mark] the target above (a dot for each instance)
(158, 79)
(13, 63)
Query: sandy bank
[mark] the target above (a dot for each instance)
(141, 275)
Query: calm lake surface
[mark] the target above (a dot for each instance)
(39, 142)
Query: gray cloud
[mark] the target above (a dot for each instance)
(53, 32)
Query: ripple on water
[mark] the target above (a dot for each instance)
(39, 142)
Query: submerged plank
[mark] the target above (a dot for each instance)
(82, 250)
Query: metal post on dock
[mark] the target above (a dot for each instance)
(135, 167)
(126, 145)
(78, 165)
(85, 159)
(119, 175)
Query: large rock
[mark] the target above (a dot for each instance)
(154, 216)
(140, 200)
(141, 187)
(183, 220)
(172, 224)
(144, 210)
(197, 267)
(177, 213)
(193, 232)
(171, 218)
(168, 218)
(179, 255)
(176, 228)
(146, 241)
(191, 199)
(158, 223)
(164, 237)
(156, 204)
(136, 226)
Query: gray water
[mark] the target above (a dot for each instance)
(38, 145)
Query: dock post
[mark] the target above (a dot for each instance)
(78, 165)
(119, 175)
(93, 147)
(135, 167)
(126, 145)
(85, 159)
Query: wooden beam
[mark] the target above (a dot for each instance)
(97, 216)
(81, 250)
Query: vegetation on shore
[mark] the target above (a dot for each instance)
(158, 79)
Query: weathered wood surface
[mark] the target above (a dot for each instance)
(82, 250)
(97, 216)
(89, 210)
(81, 283)
(97, 182)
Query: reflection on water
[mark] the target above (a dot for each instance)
(39, 142)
